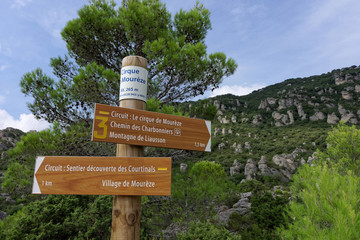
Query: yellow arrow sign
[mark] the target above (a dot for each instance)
(137, 127)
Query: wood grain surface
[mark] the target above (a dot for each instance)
(103, 175)
(144, 128)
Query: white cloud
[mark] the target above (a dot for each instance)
(55, 19)
(26, 122)
(329, 25)
(3, 67)
(236, 90)
(19, 3)
(330, 11)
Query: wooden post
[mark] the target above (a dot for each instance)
(127, 209)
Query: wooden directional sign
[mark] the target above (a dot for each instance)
(102, 176)
(137, 127)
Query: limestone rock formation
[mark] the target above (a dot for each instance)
(339, 79)
(332, 118)
(317, 116)
(349, 117)
(283, 119)
(243, 207)
(287, 164)
(233, 119)
(223, 120)
(257, 120)
(300, 111)
(263, 167)
(236, 168)
(357, 88)
(250, 169)
(237, 148)
(346, 95)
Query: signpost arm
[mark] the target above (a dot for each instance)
(127, 209)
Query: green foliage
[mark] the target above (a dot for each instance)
(17, 180)
(343, 150)
(197, 193)
(270, 181)
(193, 24)
(326, 205)
(253, 186)
(154, 105)
(267, 213)
(102, 35)
(246, 226)
(61, 217)
(203, 109)
(193, 199)
(205, 169)
(205, 231)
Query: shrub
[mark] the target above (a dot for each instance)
(206, 169)
(343, 150)
(253, 186)
(206, 231)
(326, 205)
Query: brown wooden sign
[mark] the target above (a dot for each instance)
(102, 176)
(138, 127)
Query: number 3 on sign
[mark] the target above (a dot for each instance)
(101, 125)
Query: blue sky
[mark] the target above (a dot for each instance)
(271, 41)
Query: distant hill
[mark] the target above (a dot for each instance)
(279, 127)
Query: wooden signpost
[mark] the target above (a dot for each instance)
(137, 127)
(127, 209)
(129, 175)
(102, 176)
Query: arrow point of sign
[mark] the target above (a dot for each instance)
(38, 163)
(36, 188)
(208, 146)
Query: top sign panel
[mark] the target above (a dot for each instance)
(144, 128)
(133, 83)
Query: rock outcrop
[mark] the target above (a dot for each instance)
(263, 167)
(332, 118)
(250, 169)
(317, 116)
(286, 163)
(242, 207)
(283, 119)
(236, 168)
(8, 139)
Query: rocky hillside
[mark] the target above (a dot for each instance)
(272, 131)
(329, 97)
(8, 139)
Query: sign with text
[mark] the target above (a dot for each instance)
(133, 83)
(102, 176)
(138, 127)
